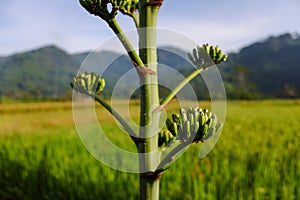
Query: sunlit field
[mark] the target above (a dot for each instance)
(256, 157)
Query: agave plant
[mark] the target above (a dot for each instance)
(192, 125)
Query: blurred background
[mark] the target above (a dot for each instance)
(42, 45)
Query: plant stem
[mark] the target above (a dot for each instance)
(170, 156)
(149, 189)
(136, 20)
(183, 83)
(113, 24)
(126, 126)
(149, 156)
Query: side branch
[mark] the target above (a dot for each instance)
(135, 58)
(126, 126)
(171, 155)
(183, 83)
(91, 85)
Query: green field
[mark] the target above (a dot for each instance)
(257, 157)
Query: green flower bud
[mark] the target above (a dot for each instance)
(183, 115)
(164, 138)
(176, 118)
(202, 119)
(172, 127)
(209, 122)
(186, 130)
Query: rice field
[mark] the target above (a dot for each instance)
(256, 157)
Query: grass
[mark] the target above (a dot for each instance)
(256, 157)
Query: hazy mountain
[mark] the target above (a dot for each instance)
(46, 72)
(41, 73)
(269, 68)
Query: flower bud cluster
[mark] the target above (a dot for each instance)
(97, 7)
(100, 7)
(89, 83)
(197, 57)
(193, 124)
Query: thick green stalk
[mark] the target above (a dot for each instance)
(149, 184)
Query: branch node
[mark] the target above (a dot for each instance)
(155, 3)
(143, 70)
(138, 139)
(153, 176)
(160, 108)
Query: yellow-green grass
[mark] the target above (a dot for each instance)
(256, 157)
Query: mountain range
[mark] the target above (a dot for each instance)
(269, 68)
(265, 69)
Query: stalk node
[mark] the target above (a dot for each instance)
(155, 3)
(153, 176)
(138, 140)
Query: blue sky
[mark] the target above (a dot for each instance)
(232, 24)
